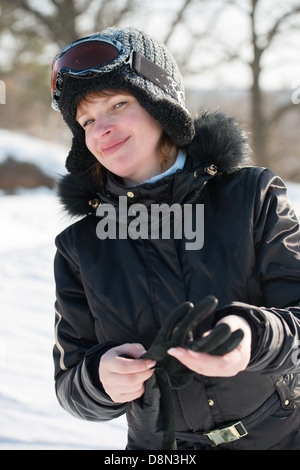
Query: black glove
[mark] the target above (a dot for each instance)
(178, 330)
(150, 418)
(155, 408)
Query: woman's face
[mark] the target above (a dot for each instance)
(122, 135)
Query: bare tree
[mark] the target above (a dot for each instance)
(58, 19)
(33, 26)
(261, 121)
(260, 42)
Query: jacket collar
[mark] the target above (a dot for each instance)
(183, 187)
(219, 146)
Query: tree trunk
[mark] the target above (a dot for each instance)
(259, 141)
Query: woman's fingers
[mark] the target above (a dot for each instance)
(123, 374)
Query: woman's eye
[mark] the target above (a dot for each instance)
(119, 105)
(86, 123)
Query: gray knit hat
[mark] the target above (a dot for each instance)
(165, 103)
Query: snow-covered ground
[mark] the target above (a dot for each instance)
(30, 415)
(49, 157)
(31, 418)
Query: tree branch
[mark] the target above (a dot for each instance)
(177, 20)
(273, 31)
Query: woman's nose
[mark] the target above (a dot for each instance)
(103, 128)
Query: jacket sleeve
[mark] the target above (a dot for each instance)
(275, 325)
(77, 352)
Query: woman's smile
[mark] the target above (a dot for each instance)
(113, 146)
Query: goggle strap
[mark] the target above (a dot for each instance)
(153, 72)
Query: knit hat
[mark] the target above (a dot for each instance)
(166, 105)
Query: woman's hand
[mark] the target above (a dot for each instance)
(123, 379)
(219, 366)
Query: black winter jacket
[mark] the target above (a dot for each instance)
(111, 292)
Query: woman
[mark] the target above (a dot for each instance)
(124, 276)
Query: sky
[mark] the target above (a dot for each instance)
(223, 27)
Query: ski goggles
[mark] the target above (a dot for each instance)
(94, 55)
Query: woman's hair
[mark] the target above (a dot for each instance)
(165, 144)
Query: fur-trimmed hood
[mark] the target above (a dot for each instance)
(218, 141)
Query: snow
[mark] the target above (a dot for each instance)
(31, 418)
(49, 157)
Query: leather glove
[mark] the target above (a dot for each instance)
(178, 330)
(150, 418)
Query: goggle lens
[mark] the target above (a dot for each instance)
(84, 56)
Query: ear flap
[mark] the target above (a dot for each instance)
(80, 158)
